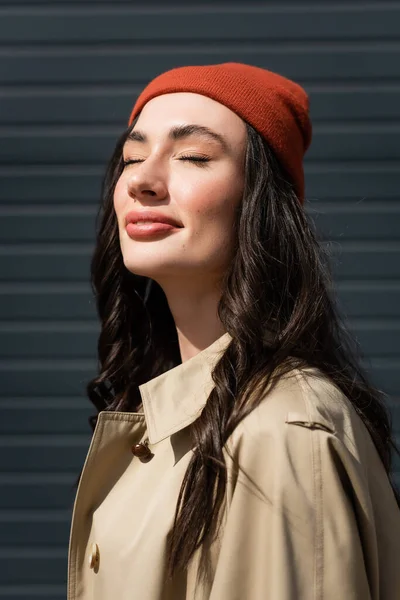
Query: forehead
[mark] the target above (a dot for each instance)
(168, 110)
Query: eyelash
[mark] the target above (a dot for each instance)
(201, 160)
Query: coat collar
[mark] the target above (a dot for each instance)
(176, 398)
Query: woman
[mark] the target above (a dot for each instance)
(239, 451)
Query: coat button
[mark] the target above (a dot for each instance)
(142, 451)
(94, 557)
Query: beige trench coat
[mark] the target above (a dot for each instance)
(319, 523)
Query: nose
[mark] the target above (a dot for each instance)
(146, 182)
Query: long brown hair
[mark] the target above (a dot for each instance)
(278, 283)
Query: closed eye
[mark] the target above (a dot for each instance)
(202, 159)
(195, 159)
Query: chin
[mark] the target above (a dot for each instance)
(147, 268)
(142, 270)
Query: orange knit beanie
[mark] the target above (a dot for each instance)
(274, 105)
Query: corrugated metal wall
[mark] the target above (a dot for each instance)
(70, 72)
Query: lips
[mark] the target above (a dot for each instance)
(148, 224)
(150, 217)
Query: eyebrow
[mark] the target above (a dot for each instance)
(181, 132)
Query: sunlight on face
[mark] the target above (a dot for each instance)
(185, 161)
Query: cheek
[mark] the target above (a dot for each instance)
(119, 199)
(210, 202)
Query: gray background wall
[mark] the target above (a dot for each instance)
(69, 73)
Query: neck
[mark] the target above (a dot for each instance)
(193, 305)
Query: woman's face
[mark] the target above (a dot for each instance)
(185, 161)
